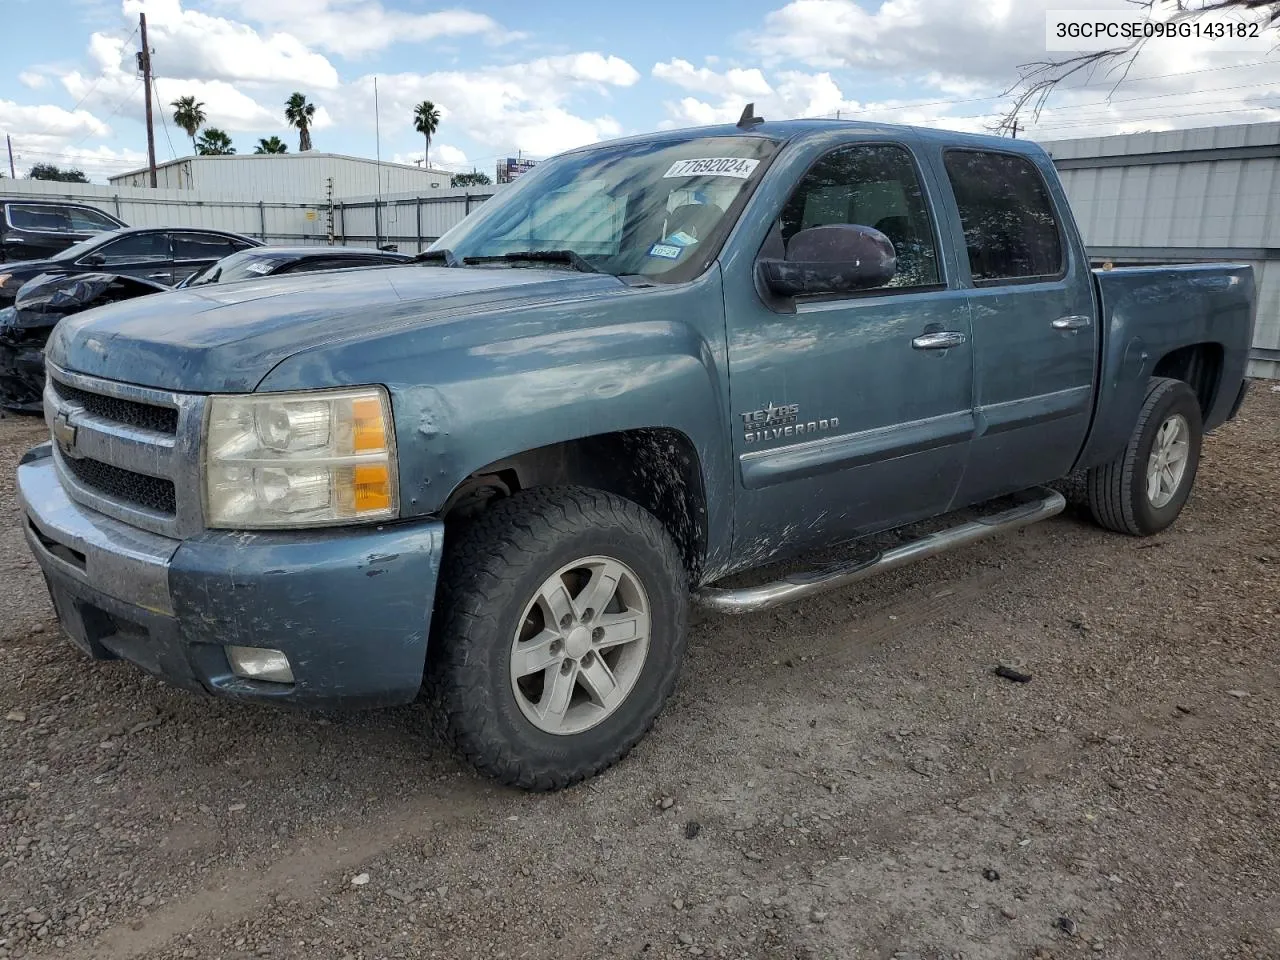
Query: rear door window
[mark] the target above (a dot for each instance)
(202, 246)
(1010, 229)
(85, 220)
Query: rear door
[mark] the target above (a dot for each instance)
(193, 250)
(1032, 307)
(36, 231)
(851, 413)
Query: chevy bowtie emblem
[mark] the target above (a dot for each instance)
(64, 432)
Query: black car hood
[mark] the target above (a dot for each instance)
(218, 339)
(54, 295)
(23, 270)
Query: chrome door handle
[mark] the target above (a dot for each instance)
(1071, 323)
(158, 276)
(941, 340)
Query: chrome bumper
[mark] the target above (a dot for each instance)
(89, 547)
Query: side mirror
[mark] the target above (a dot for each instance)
(837, 258)
(93, 260)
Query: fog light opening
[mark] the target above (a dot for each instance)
(260, 663)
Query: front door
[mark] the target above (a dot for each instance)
(1034, 338)
(145, 255)
(851, 413)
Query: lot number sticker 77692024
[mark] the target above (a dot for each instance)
(739, 167)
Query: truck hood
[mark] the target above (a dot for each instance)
(226, 338)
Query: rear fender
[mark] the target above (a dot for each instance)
(1149, 313)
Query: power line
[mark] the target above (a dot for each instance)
(88, 93)
(1083, 86)
(133, 91)
(164, 121)
(19, 151)
(1102, 121)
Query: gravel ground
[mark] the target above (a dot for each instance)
(841, 779)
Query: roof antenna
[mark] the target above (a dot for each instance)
(749, 118)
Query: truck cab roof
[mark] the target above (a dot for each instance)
(796, 130)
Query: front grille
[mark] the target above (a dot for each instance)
(126, 485)
(130, 412)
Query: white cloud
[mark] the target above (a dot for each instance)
(794, 94)
(353, 28)
(115, 87)
(939, 53)
(521, 106)
(450, 157)
(192, 44)
(732, 83)
(955, 37)
(97, 163)
(33, 80)
(48, 120)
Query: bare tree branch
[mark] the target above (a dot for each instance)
(1038, 79)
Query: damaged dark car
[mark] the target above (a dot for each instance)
(40, 304)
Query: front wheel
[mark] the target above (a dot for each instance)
(1143, 490)
(561, 628)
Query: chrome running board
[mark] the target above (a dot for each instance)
(797, 586)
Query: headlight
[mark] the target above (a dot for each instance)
(300, 459)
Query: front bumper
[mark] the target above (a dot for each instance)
(350, 607)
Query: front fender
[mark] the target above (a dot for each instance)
(469, 391)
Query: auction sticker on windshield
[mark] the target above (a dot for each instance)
(740, 167)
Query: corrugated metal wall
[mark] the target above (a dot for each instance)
(411, 221)
(272, 221)
(1185, 195)
(289, 176)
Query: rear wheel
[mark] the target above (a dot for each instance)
(1143, 490)
(561, 628)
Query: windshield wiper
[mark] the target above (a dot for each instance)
(445, 256)
(567, 257)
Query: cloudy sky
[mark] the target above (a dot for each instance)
(513, 75)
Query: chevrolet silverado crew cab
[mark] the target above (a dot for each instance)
(502, 473)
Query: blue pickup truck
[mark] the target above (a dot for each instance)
(500, 476)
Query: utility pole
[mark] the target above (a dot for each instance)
(1015, 128)
(9, 140)
(144, 62)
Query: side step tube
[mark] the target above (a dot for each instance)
(797, 586)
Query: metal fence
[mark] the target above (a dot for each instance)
(408, 221)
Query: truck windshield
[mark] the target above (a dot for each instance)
(655, 209)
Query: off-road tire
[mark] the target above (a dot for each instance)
(490, 574)
(1118, 490)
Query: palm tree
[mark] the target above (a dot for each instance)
(271, 145)
(214, 143)
(426, 118)
(299, 113)
(188, 113)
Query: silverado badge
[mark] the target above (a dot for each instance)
(774, 421)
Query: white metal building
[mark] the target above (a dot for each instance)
(287, 176)
(1211, 193)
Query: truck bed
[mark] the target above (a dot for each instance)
(1200, 314)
